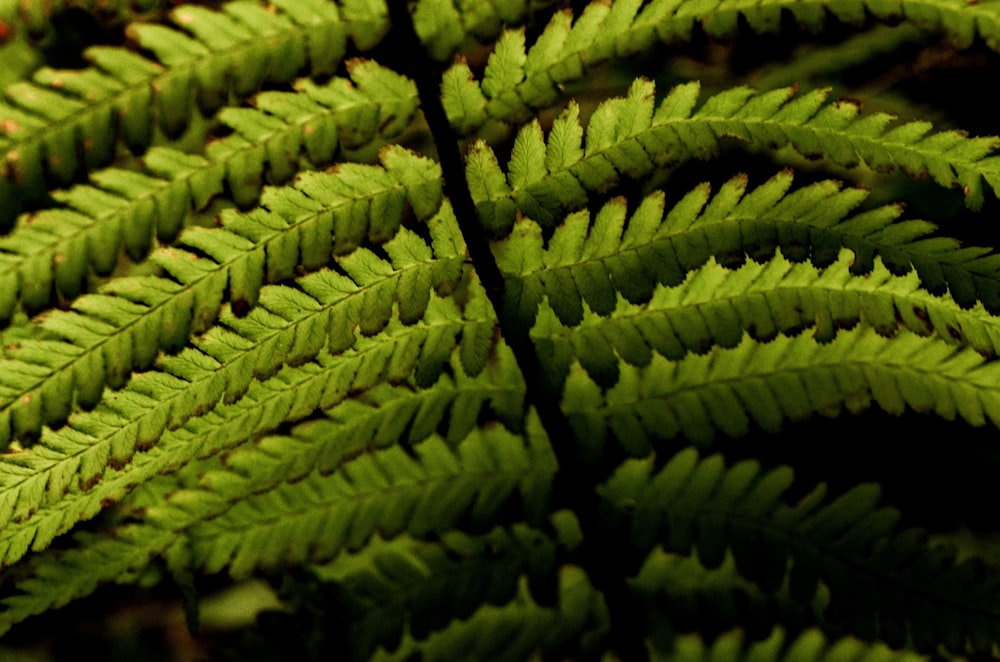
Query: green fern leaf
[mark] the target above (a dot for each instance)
(473, 479)
(347, 508)
(788, 379)
(566, 49)
(290, 327)
(438, 24)
(684, 594)
(443, 26)
(237, 49)
(811, 644)
(444, 394)
(55, 582)
(661, 249)
(716, 306)
(453, 569)
(829, 542)
(44, 506)
(625, 137)
(124, 327)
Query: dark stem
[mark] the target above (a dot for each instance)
(603, 554)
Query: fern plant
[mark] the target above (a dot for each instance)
(476, 329)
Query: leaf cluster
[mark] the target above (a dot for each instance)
(472, 327)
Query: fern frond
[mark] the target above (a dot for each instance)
(374, 417)
(836, 132)
(630, 137)
(553, 636)
(460, 422)
(46, 122)
(788, 379)
(882, 584)
(716, 306)
(51, 253)
(108, 335)
(572, 627)
(55, 580)
(811, 645)
(595, 261)
(127, 207)
(444, 26)
(348, 502)
(390, 596)
(686, 596)
(401, 588)
(388, 491)
(289, 328)
(519, 80)
(960, 22)
(317, 122)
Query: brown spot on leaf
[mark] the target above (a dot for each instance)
(88, 483)
(240, 308)
(23, 517)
